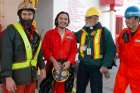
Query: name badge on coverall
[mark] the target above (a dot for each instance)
(88, 51)
(138, 41)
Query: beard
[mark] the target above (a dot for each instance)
(26, 23)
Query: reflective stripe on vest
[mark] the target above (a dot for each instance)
(82, 43)
(96, 43)
(29, 56)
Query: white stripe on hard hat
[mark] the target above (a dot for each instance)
(131, 13)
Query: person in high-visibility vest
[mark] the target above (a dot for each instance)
(96, 53)
(21, 54)
(129, 53)
(59, 48)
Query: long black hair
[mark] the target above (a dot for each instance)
(56, 19)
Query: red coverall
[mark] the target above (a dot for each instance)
(54, 46)
(129, 70)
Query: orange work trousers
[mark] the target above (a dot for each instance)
(127, 76)
(29, 88)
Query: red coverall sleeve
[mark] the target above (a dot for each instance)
(73, 51)
(46, 46)
(120, 43)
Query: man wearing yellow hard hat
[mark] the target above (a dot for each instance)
(21, 53)
(96, 52)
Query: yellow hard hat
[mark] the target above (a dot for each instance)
(93, 11)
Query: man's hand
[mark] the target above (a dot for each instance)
(10, 85)
(66, 65)
(104, 70)
(56, 65)
(42, 74)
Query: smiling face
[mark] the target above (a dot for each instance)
(131, 22)
(63, 20)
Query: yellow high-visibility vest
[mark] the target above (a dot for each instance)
(96, 43)
(30, 61)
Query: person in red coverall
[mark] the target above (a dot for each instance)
(59, 44)
(129, 53)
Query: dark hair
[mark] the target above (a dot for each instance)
(56, 19)
(137, 18)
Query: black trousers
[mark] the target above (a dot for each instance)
(88, 73)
